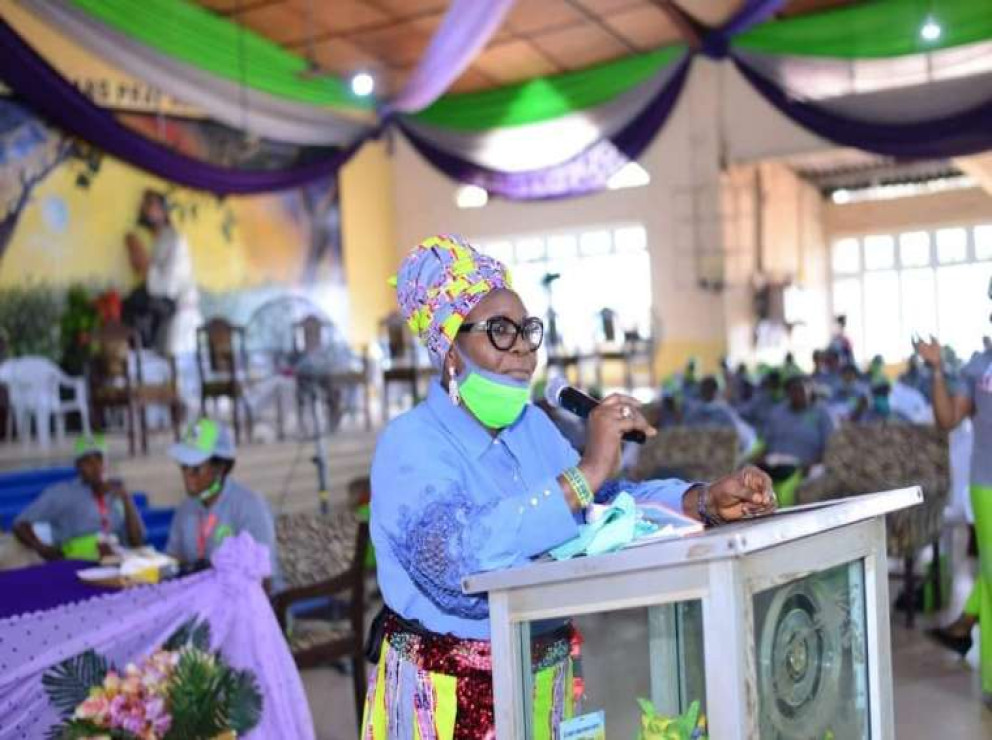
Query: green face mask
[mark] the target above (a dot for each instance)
(495, 400)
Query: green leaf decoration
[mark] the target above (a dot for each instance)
(245, 701)
(81, 729)
(193, 632)
(197, 698)
(68, 684)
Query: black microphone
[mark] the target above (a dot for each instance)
(563, 396)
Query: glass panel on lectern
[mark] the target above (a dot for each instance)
(811, 656)
(633, 665)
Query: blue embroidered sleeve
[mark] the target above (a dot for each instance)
(438, 545)
(429, 525)
(668, 491)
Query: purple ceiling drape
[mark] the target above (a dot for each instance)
(590, 170)
(585, 173)
(50, 95)
(466, 29)
(966, 132)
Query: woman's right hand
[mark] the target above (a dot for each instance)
(929, 352)
(607, 423)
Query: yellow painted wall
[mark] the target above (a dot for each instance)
(71, 234)
(368, 227)
(672, 356)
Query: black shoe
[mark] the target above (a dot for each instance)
(960, 645)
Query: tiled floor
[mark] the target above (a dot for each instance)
(937, 696)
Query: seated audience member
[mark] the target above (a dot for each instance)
(840, 344)
(669, 412)
(798, 429)
(216, 507)
(826, 373)
(851, 396)
(789, 366)
(876, 370)
(918, 377)
(880, 409)
(81, 513)
(766, 398)
(690, 384)
(712, 411)
(742, 387)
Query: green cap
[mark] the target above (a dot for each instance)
(203, 440)
(89, 444)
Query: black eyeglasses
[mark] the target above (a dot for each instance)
(503, 332)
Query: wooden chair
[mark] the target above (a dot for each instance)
(402, 366)
(313, 335)
(865, 458)
(323, 555)
(117, 381)
(222, 362)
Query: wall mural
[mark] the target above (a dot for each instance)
(68, 216)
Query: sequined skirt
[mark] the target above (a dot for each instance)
(439, 687)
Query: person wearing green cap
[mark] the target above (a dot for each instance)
(216, 507)
(83, 510)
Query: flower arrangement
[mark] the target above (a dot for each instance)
(688, 726)
(182, 690)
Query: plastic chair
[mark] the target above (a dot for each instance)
(35, 385)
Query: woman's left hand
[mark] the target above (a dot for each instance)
(741, 495)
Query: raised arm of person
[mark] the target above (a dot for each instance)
(949, 409)
(134, 526)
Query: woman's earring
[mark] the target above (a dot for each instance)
(453, 393)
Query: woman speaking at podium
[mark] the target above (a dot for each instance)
(475, 478)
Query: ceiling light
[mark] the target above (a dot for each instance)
(841, 196)
(471, 196)
(631, 175)
(362, 84)
(930, 30)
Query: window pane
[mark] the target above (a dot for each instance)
(883, 332)
(847, 301)
(914, 249)
(530, 249)
(952, 245)
(846, 259)
(963, 306)
(595, 242)
(562, 247)
(880, 252)
(630, 239)
(983, 242)
(502, 251)
(919, 305)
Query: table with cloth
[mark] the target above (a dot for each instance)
(48, 616)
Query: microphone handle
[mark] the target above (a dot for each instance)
(581, 404)
(636, 436)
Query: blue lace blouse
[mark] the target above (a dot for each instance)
(449, 500)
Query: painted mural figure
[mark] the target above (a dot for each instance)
(166, 308)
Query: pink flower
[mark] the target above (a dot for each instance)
(95, 708)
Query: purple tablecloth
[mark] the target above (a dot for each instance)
(43, 587)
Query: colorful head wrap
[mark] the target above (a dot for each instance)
(439, 283)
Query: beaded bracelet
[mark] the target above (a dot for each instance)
(702, 508)
(580, 486)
